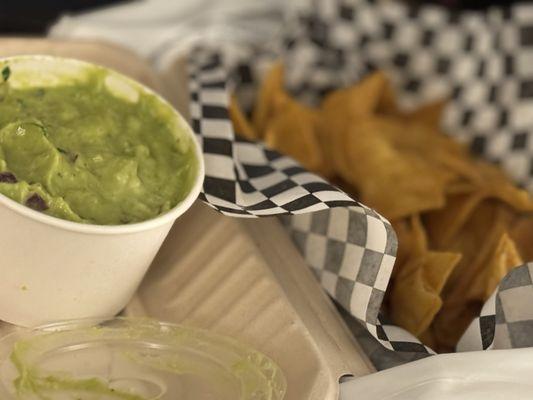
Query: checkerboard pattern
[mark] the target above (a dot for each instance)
(482, 60)
(350, 247)
(246, 179)
(506, 320)
(480, 333)
(478, 59)
(514, 310)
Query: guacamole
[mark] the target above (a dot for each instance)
(79, 151)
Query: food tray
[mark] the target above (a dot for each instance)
(240, 277)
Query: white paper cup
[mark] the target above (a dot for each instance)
(52, 269)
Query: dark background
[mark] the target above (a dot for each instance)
(35, 16)
(468, 4)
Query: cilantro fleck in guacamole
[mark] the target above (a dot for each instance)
(79, 151)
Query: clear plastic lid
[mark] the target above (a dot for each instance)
(133, 359)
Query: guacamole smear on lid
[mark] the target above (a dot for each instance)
(90, 150)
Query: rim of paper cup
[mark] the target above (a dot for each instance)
(152, 223)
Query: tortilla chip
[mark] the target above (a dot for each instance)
(357, 100)
(450, 324)
(439, 266)
(502, 260)
(455, 216)
(522, 234)
(340, 110)
(420, 240)
(331, 135)
(415, 296)
(404, 234)
(428, 338)
(455, 160)
(270, 98)
(460, 187)
(447, 159)
(293, 132)
(412, 241)
(429, 114)
(241, 125)
(388, 104)
(459, 311)
(412, 304)
(383, 174)
(444, 224)
(487, 252)
(475, 241)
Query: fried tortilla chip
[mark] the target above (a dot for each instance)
(460, 187)
(390, 191)
(503, 259)
(270, 98)
(444, 224)
(241, 125)
(412, 240)
(413, 304)
(428, 338)
(501, 187)
(415, 297)
(522, 234)
(461, 223)
(293, 132)
(343, 108)
(465, 305)
(388, 104)
(358, 100)
(487, 251)
(429, 114)
(404, 234)
(447, 159)
(420, 240)
(450, 324)
(475, 241)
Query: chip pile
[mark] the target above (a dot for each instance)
(461, 223)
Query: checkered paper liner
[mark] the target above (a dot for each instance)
(481, 60)
(350, 247)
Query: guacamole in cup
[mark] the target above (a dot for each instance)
(95, 169)
(91, 147)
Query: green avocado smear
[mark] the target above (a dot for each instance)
(80, 152)
(85, 363)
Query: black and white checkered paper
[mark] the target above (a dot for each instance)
(479, 59)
